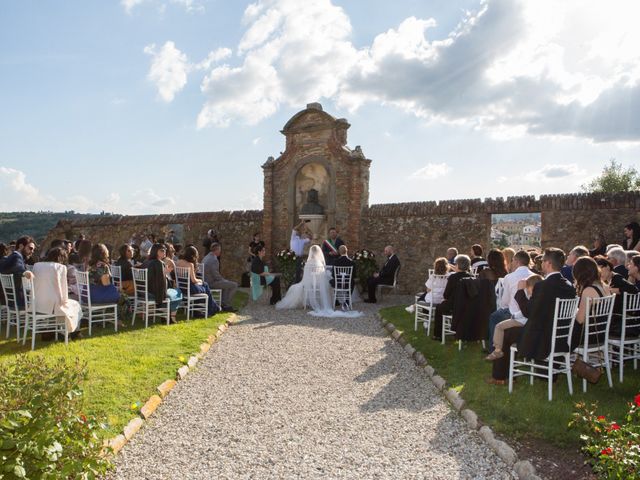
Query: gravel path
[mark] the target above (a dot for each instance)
(288, 395)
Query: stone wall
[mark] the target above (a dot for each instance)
(235, 231)
(423, 231)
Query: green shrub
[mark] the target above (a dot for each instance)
(43, 432)
(614, 448)
(286, 264)
(366, 266)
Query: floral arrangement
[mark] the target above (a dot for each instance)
(365, 261)
(286, 264)
(614, 448)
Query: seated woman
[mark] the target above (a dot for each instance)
(50, 283)
(435, 284)
(461, 270)
(170, 265)
(509, 253)
(157, 280)
(633, 266)
(190, 260)
(631, 240)
(497, 267)
(588, 285)
(81, 258)
(618, 285)
(125, 262)
(101, 287)
(599, 245)
(260, 268)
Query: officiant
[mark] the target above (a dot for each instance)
(331, 246)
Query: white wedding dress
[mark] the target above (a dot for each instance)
(314, 290)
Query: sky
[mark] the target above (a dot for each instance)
(150, 106)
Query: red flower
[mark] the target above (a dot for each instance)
(614, 426)
(636, 400)
(601, 417)
(606, 451)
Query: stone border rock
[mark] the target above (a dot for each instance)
(523, 468)
(116, 443)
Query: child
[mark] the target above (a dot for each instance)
(517, 320)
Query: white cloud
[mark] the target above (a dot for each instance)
(256, 140)
(168, 71)
(214, 57)
(431, 171)
(148, 201)
(552, 173)
(130, 4)
(190, 6)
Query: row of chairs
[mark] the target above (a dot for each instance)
(25, 319)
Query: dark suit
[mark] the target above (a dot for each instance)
(449, 295)
(326, 250)
(385, 276)
(535, 342)
(621, 270)
(16, 265)
(344, 261)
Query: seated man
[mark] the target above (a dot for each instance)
(386, 274)
(215, 279)
(16, 264)
(574, 254)
(618, 258)
(477, 260)
(461, 270)
(534, 338)
(452, 253)
(344, 261)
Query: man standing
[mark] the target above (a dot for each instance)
(16, 264)
(214, 278)
(386, 274)
(299, 239)
(331, 246)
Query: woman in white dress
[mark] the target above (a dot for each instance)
(314, 289)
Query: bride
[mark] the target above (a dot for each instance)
(314, 289)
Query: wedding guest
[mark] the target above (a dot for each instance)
(83, 255)
(631, 240)
(508, 253)
(435, 284)
(331, 245)
(214, 278)
(461, 270)
(4, 250)
(575, 253)
(260, 268)
(137, 257)
(157, 280)
(599, 245)
(634, 273)
(255, 242)
(618, 258)
(507, 306)
(177, 252)
(452, 253)
(617, 285)
(212, 237)
(534, 339)
(517, 321)
(50, 281)
(386, 274)
(477, 260)
(588, 285)
(101, 287)
(16, 263)
(611, 246)
(125, 262)
(496, 266)
(190, 260)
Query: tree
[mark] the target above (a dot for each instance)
(614, 178)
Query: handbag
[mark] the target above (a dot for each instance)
(587, 371)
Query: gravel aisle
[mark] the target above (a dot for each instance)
(288, 395)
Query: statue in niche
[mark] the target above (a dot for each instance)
(312, 207)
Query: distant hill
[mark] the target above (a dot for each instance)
(37, 224)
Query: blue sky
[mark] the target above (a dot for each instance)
(145, 106)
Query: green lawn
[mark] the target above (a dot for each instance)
(127, 366)
(526, 412)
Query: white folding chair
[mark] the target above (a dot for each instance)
(195, 302)
(499, 288)
(318, 274)
(557, 362)
(200, 271)
(39, 322)
(142, 304)
(116, 276)
(342, 286)
(424, 312)
(596, 330)
(15, 315)
(447, 321)
(393, 287)
(627, 346)
(95, 312)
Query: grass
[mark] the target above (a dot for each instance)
(526, 412)
(126, 367)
